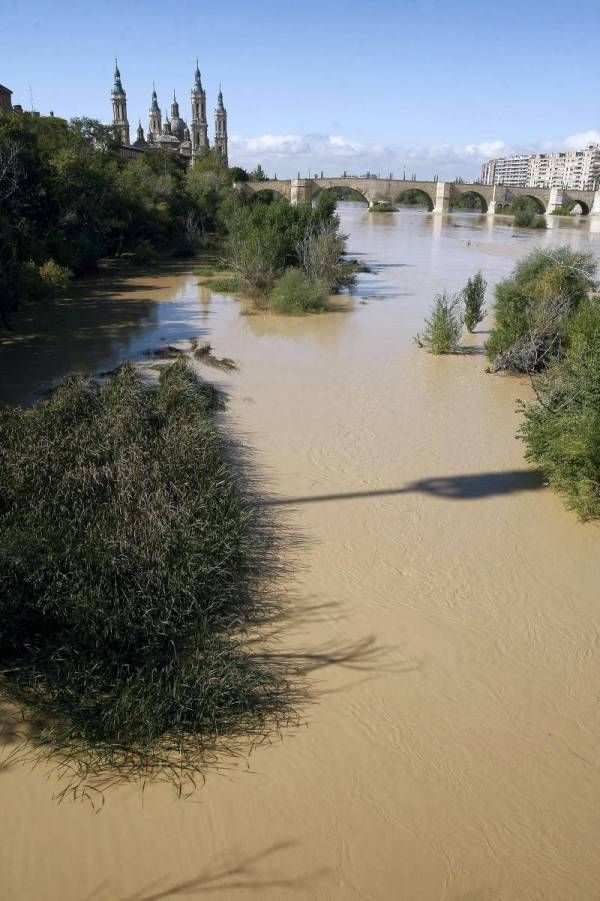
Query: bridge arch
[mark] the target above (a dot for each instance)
(572, 202)
(342, 192)
(267, 195)
(522, 201)
(462, 200)
(265, 188)
(412, 196)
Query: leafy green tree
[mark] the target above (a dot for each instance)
(474, 298)
(561, 430)
(258, 174)
(443, 329)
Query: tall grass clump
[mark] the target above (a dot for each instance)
(135, 571)
(533, 306)
(474, 299)
(561, 430)
(294, 293)
(443, 329)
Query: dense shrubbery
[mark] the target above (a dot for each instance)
(443, 329)
(562, 430)
(528, 218)
(131, 566)
(532, 306)
(295, 293)
(265, 242)
(67, 198)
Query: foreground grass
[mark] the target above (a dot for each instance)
(135, 576)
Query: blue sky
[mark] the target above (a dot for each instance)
(433, 85)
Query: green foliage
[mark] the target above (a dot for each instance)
(265, 240)
(383, 206)
(133, 576)
(237, 174)
(528, 218)
(443, 329)
(474, 298)
(562, 430)
(523, 204)
(294, 293)
(469, 200)
(67, 195)
(544, 290)
(55, 278)
(258, 174)
(414, 197)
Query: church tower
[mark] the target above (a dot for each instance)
(119, 105)
(221, 128)
(155, 120)
(199, 129)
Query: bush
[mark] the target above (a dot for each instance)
(562, 430)
(383, 206)
(528, 218)
(444, 327)
(294, 293)
(54, 277)
(473, 298)
(132, 575)
(545, 288)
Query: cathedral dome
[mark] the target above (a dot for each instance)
(178, 127)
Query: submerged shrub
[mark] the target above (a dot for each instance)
(562, 429)
(474, 298)
(443, 329)
(295, 293)
(133, 569)
(531, 306)
(528, 218)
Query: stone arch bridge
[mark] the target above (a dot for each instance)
(437, 194)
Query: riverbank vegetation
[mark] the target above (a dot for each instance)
(287, 258)
(533, 307)
(68, 198)
(135, 576)
(547, 324)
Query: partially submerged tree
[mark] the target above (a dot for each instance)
(532, 306)
(443, 329)
(474, 298)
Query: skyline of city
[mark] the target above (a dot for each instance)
(294, 102)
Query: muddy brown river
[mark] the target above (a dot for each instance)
(450, 603)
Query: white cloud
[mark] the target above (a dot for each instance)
(285, 154)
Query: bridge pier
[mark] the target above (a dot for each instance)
(443, 193)
(300, 190)
(556, 200)
(595, 208)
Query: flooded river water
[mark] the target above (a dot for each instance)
(455, 754)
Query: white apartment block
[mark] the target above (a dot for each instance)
(575, 169)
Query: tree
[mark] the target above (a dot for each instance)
(474, 297)
(258, 174)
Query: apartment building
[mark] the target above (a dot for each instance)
(575, 169)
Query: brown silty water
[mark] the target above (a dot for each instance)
(454, 755)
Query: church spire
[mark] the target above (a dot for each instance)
(221, 128)
(198, 123)
(119, 105)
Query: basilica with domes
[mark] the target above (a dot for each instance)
(172, 132)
